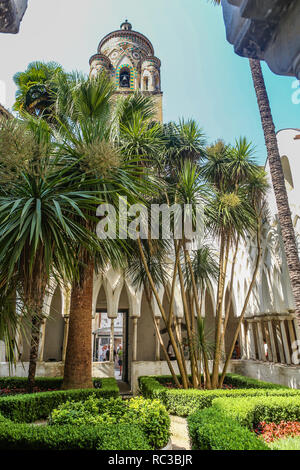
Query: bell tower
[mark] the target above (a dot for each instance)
(128, 56)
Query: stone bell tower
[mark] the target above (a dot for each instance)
(128, 56)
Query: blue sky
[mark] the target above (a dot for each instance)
(201, 76)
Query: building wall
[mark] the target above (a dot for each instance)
(54, 333)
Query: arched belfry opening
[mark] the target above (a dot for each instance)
(125, 78)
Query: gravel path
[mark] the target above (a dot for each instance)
(179, 433)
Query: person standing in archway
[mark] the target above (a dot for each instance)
(120, 359)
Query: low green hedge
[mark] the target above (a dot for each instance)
(28, 408)
(210, 429)
(17, 410)
(103, 437)
(231, 380)
(251, 411)
(184, 402)
(43, 383)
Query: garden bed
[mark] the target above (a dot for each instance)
(230, 423)
(82, 419)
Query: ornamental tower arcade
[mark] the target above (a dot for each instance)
(128, 56)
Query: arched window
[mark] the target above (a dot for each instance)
(146, 83)
(125, 78)
(287, 172)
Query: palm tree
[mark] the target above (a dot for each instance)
(255, 189)
(40, 218)
(278, 180)
(88, 142)
(36, 92)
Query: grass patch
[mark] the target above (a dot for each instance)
(285, 443)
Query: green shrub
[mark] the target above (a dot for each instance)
(251, 411)
(103, 437)
(31, 407)
(23, 409)
(210, 429)
(184, 402)
(240, 381)
(153, 417)
(43, 383)
(231, 380)
(150, 415)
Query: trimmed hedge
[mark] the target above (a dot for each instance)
(103, 437)
(17, 410)
(210, 429)
(44, 383)
(253, 410)
(234, 380)
(184, 402)
(150, 415)
(31, 407)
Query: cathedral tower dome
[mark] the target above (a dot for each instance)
(128, 56)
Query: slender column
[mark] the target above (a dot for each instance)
(157, 343)
(260, 341)
(179, 323)
(272, 341)
(279, 343)
(293, 339)
(2, 351)
(297, 328)
(270, 354)
(285, 342)
(250, 342)
(42, 340)
(243, 342)
(134, 339)
(65, 340)
(112, 337)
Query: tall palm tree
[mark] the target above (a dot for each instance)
(40, 218)
(88, 142)
(278, 180)
(255, 189)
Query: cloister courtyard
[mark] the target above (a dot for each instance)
(149, 269)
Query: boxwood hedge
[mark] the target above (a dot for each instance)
(43, 383)
(102, 437)
(28, 408)
(17, 410)
(184, 402)
(211, 429)
(251, 411)
(229, 423)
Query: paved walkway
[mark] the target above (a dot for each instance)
(179, 433)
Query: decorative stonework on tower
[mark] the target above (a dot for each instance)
(128, 56)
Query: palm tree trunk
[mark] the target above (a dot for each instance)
(227, 312)
(284, 212)
(164, 316)
(224, 253)
(148, 297)
(78, 364)
(241, 317)
(34, 304)
(34, 349)
(188, 324)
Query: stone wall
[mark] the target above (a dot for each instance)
(275, 373)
